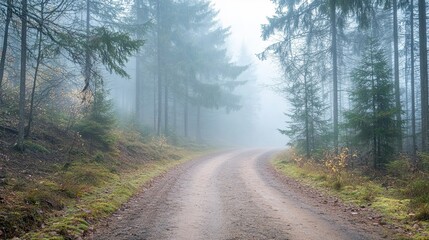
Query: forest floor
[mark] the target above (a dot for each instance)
(62, 184)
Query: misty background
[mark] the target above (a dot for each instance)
(257, 122)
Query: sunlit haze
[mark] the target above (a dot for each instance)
(245, 18)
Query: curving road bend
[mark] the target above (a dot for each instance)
(229, 195)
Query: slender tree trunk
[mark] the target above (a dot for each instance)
(333, 18)
(158, 27)
(4, 49)
(374, 113)
(165, 106)
(307, 133)
(423, 72)
(36, 71)
(21, 127)
(198, 123)
(186, 110)
(87, 50)
(175, 114)
(396, 74)
(139, 79)
(154, 104)
(138, 90)
(413, 100)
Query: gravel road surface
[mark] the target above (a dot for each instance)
(228, 195)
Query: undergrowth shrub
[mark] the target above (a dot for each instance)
(418, 191)
(81, 177)
(336, 165)
(34, 147)
(98, 124)
(399, 168)
(369, 192)
(19, 220)
(424, 162)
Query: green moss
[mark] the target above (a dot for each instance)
(34, 147)
(101, 193)
(396, 208)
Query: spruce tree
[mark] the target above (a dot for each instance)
(373, 105)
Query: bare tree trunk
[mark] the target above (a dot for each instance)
(175, 114)
(333, 18)
(413, 100)
(396, 70)
(198, 123)
(138, 90)
(165, 107)
(139, 79)
(158, 18)
(36, 72)
(307, 128)
(423, 72)
(21, 130)
(185, 117)
(87, 50)
(154, 104)
(4, 49)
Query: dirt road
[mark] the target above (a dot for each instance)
(229, 195)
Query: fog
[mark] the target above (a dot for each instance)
(260, 114)
(246, 33)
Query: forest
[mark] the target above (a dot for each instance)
(356, 76)
(355, 73)
(88, 88)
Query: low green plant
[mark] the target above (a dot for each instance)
(424, 162)
(423, 213)
(47, 195)
(99, 156)
(97, 126)
(418, 191)
(400, 168)
(34, 147)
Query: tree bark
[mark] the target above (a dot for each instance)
(307, 128)
(158, 27)
(186, 110)
(4, 49)
(139, 79)
(36, 72)
(21, 123)
(423, 72)
(396, 73)
(87, 50)
(333, 19)
(413, 100)
(199, 123)
(165, 107)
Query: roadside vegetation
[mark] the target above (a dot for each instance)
(50, 192)
(357, 124)
(77, 168)
(399, 194)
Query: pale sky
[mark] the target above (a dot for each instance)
(245, 18)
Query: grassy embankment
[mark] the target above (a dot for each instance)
(401, 195)
(58, 189)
